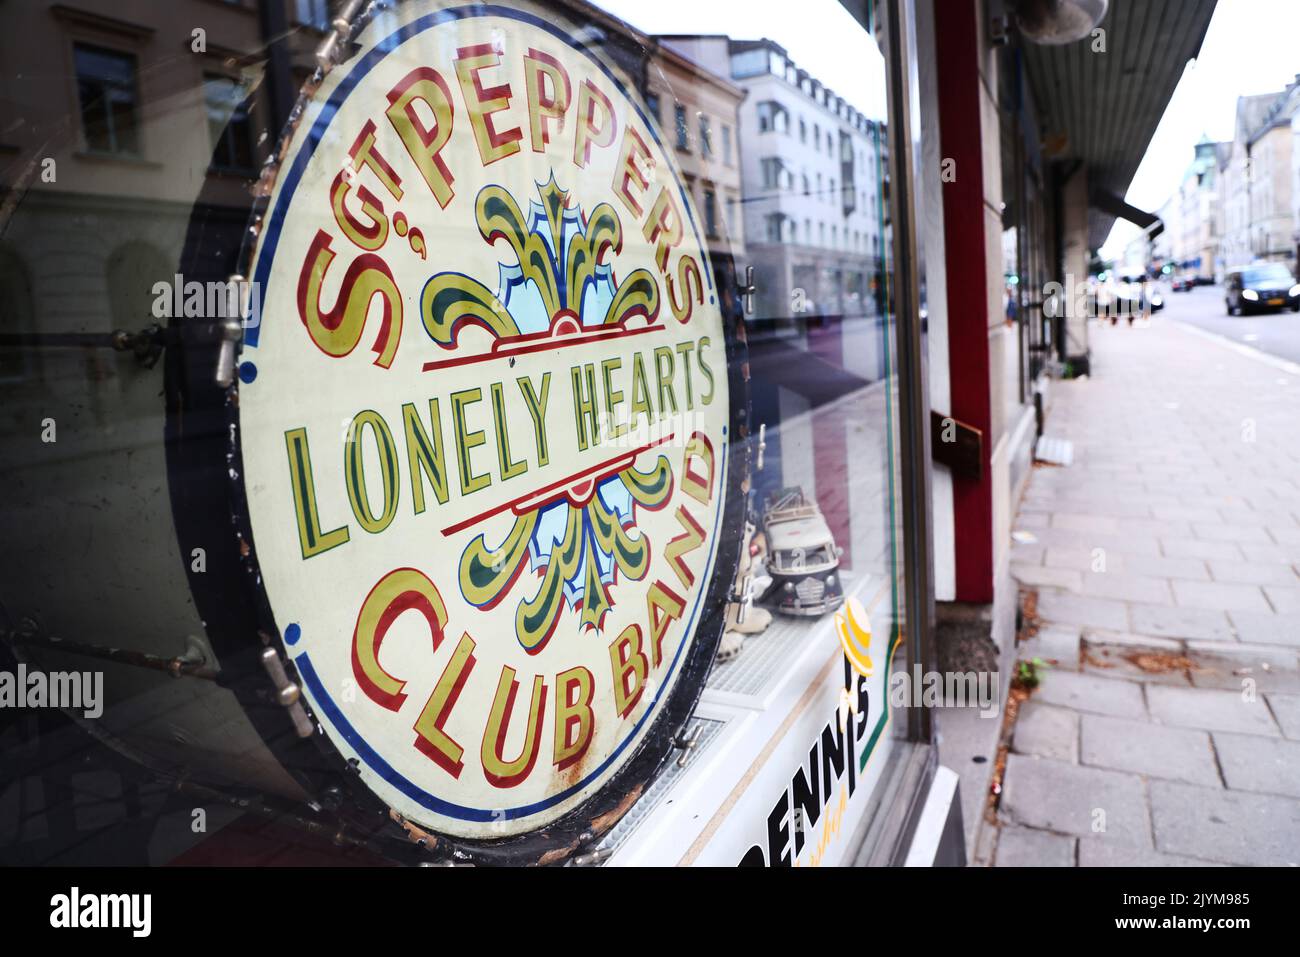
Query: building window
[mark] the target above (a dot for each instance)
(774, 221)
(803, 130)
(706, 137)
(772, 173)
(229, 125)
(806, 190)
(652, 104)
(106, 87)
(726, 144)
(683, 132)
(772, 116)
(711, 212)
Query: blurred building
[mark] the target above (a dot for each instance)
(1259, 181)
(1199, 195)
(700, 111)
(810, 162)
(1192, 218)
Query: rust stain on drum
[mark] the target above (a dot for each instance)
(415, 835)
(557, 855)
(611, 817)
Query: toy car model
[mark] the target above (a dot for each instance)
(802, 556)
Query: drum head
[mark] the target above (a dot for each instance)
(486, 439)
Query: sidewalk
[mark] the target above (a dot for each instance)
(1165, 565)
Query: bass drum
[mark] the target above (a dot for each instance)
(456, 500)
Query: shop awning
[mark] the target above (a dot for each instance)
(1103, 107)
(1107, 202)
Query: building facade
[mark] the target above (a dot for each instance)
(811, 162)
(700, 110)
(1259, 208)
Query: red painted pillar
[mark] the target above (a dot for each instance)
(966, 266)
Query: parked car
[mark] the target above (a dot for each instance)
(1182, 284)
(802, 556)
(1260, 287)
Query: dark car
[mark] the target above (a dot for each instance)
(1260, 288)
(1181, 284)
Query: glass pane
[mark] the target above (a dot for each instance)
(524, 396)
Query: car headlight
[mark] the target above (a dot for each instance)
(789, 586)
(1157, 301)
(1294, 291)
(1250, 294)
(830, 580)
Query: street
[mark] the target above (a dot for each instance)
(1277, 333)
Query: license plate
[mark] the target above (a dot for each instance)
(1275, 302)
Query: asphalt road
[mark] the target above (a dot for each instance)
(1277, 333)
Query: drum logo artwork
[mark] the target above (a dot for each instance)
(484, 419)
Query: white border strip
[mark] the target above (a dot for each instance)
(1250, 352)
(934, 817)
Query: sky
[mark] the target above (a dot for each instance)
(823, 39)
(1252, 46)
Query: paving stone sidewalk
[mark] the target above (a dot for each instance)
(1166, 562)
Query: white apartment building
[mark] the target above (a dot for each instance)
(810, 165)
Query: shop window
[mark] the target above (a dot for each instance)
(130, 273)
(814, 525)
(17, 316)
(109, 98)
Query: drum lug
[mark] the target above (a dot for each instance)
(231, 333)
(592, 858)
(329, 52)
(287, 694)
(686, 743)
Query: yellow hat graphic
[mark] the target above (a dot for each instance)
(854, 629)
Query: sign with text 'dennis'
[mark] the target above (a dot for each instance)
(485, 420)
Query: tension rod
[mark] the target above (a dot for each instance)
(27, 633)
